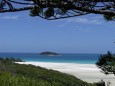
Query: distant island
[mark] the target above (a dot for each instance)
(49, 53)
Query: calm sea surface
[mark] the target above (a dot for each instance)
(66, 58)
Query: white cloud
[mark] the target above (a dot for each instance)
(85, 20)
(14, 17)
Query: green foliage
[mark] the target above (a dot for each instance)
(2, 4)
(35, 1)
(63, 11)
(100, 83)
(6, 79)
(35, 11)
(107, 63)
(49, 12)
(109, 17)
(12, 74)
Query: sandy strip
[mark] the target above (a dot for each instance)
(86, 72)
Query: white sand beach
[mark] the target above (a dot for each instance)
(86, 72)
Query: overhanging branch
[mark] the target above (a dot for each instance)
(60, 9)
(16, 10)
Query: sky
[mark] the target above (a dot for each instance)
(84, 34)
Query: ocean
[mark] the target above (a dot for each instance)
(62, 58)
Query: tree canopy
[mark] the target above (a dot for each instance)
(56, 9)
(106, 63)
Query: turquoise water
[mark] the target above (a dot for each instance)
(63, 58)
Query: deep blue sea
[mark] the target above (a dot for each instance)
(63, 58)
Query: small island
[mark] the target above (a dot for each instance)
(49, 53)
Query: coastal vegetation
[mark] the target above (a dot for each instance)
(106, 63)
(12, 74)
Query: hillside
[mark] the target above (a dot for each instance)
(12, 74)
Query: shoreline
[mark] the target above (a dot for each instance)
(86, 72)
